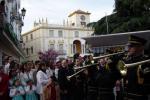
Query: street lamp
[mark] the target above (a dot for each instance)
(23, 12)
(19, 16)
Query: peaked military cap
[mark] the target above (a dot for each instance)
(135, 40)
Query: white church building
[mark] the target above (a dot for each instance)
(66, 38)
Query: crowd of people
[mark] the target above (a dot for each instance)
(101, 81)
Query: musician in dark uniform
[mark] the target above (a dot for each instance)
(91, 81)
(76, 90)
(138, 77)
(79, 82)
(107, 76)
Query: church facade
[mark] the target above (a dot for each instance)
(66, 38)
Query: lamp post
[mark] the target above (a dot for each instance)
(23, 12)
(19, 16)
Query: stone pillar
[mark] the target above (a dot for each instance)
(82, 48)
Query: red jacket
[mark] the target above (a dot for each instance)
(4, 83)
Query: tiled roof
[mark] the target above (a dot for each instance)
(79, 12)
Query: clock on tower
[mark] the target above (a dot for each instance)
(82, 17)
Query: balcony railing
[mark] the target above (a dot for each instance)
(8, 29)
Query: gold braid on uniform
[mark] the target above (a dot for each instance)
(140, 79)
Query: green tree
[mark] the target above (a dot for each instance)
(128, 15)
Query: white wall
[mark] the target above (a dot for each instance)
(41, 39)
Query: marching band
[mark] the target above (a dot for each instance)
(115, 76)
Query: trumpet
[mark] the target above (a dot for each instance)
(108, 55)
(123, 69)
(94, 58)
(137, 63)
(82, 68)
(69, 77)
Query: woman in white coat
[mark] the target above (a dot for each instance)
(43, 82)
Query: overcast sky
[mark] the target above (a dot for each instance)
(58, 10)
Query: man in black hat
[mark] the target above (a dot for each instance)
(137, 77)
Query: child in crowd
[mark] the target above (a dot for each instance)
(17, 91)
(30, 91)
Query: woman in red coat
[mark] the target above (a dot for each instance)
(4, 83)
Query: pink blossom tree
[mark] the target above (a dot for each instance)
(48, 56)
